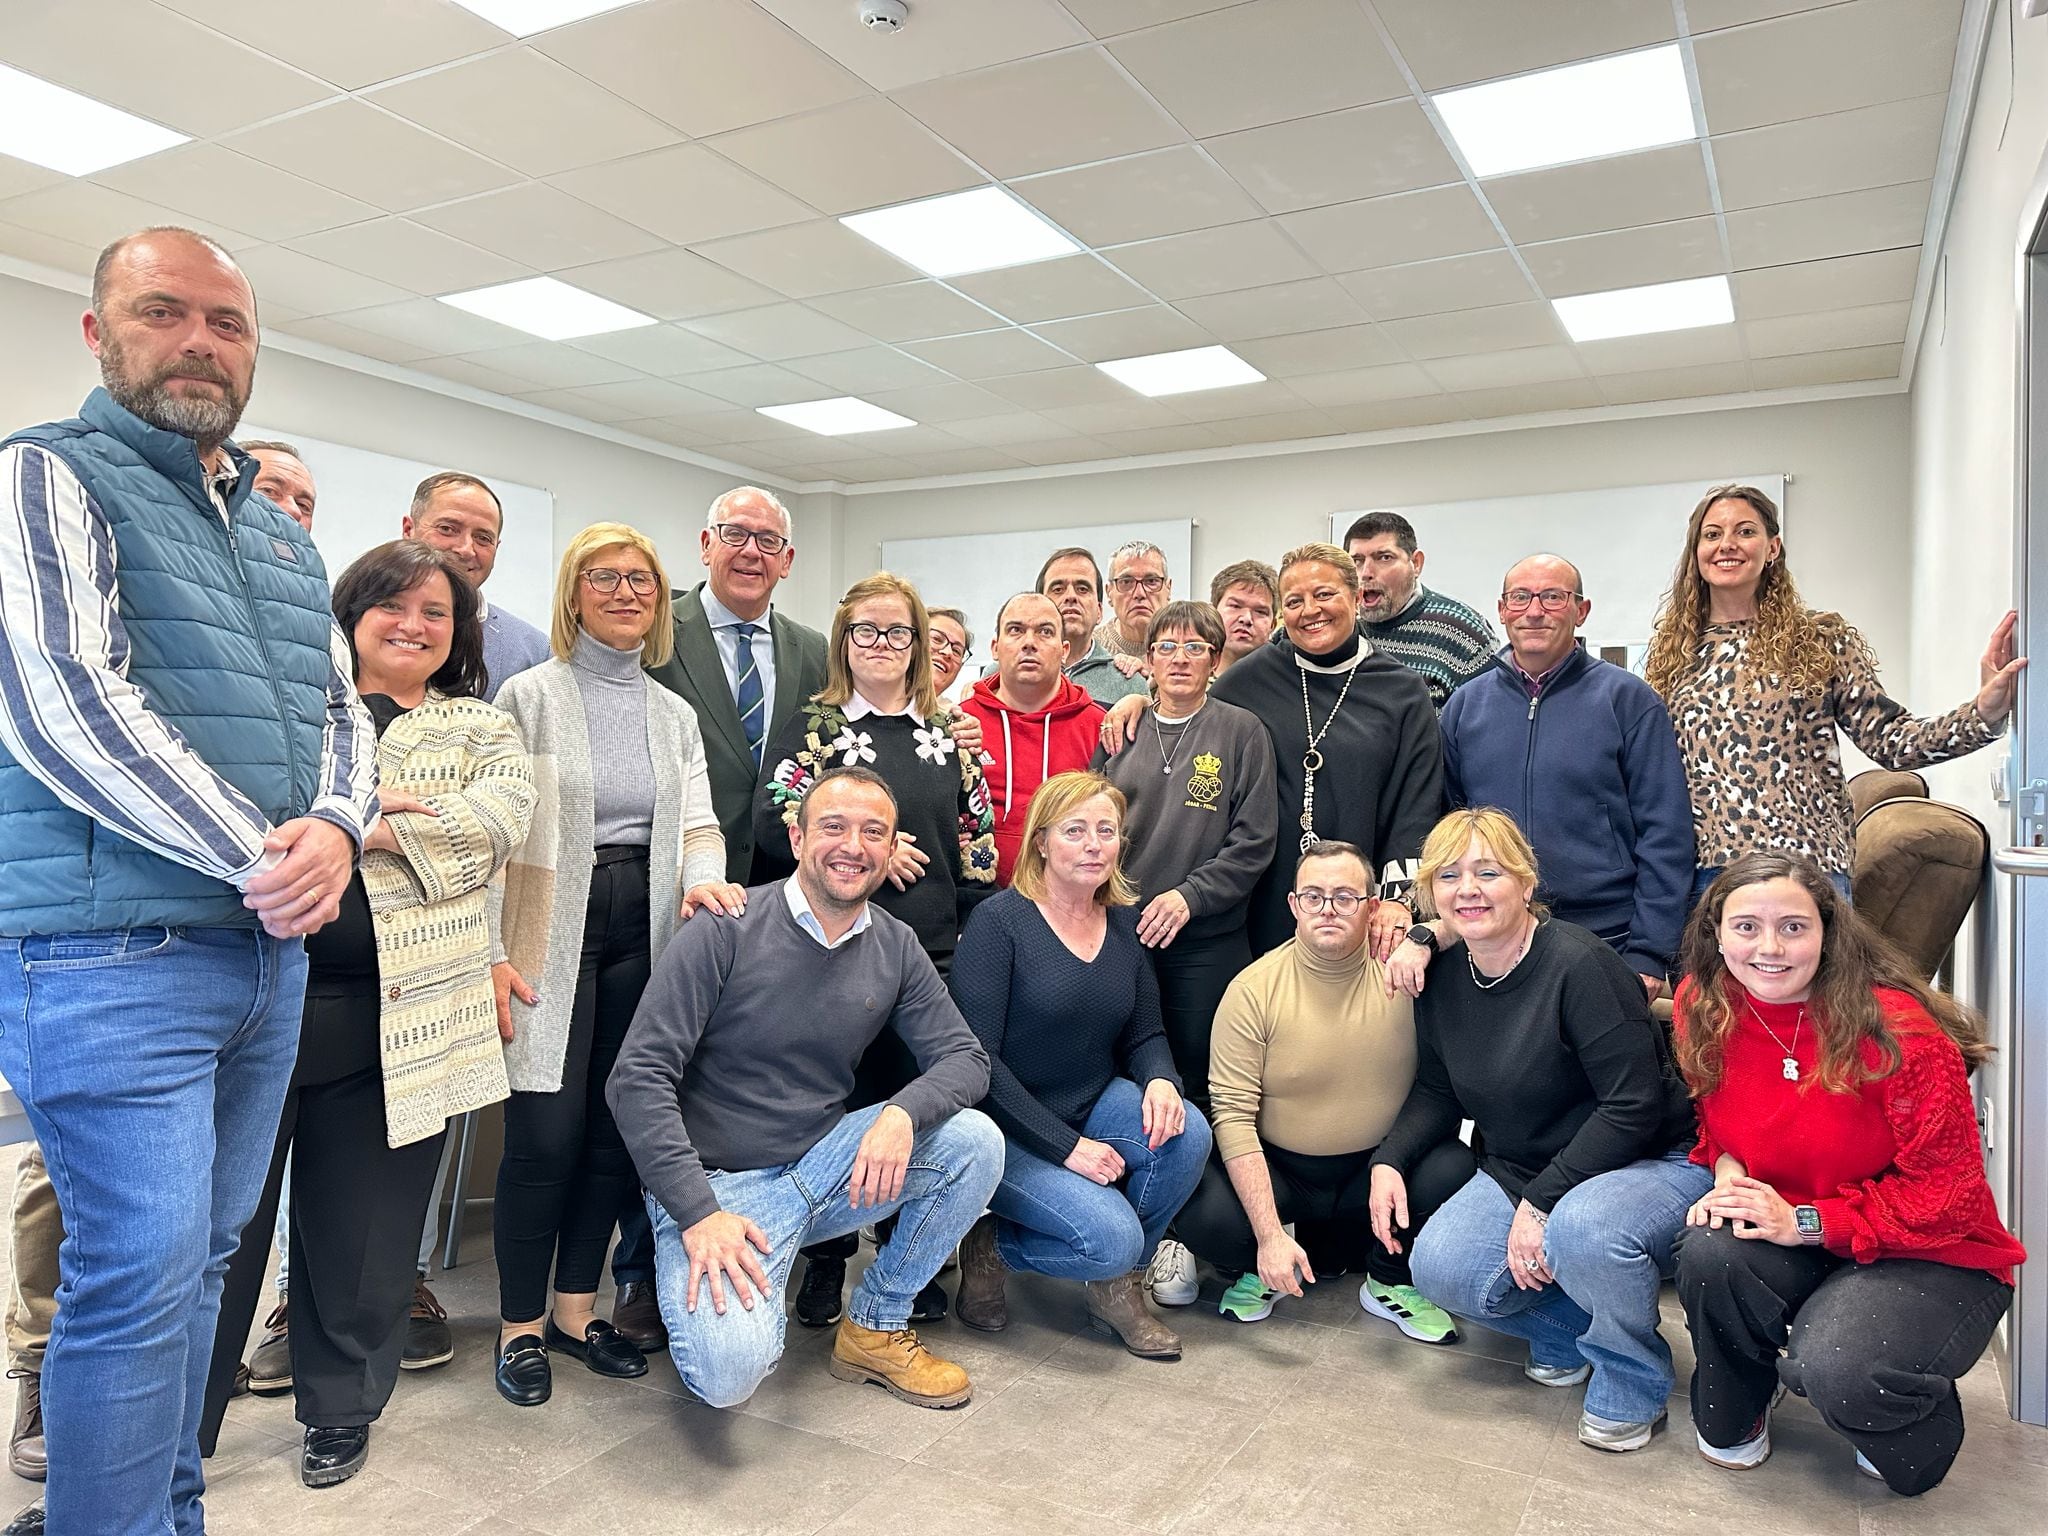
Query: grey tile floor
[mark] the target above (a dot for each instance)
(1318, 1420)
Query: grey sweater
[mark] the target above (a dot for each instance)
(742, 1052)
(614, 692)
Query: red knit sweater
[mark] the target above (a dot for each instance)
(1893, 1166)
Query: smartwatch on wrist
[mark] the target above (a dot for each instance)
(1807, 1217)
(1418, 934)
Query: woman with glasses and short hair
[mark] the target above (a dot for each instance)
(625, 844)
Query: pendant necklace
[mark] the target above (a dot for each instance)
(1791, 1063)
(1165, 761)
(1312, 759)
(1486, 984)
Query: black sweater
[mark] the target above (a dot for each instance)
(1058, 1029)
(1559, 1065)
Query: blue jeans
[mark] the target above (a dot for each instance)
(1704, 876)
(1052, 1221)
(1610, 1244)
(152, 1063)
(953, 1168)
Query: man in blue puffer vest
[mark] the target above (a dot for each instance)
(186, 776)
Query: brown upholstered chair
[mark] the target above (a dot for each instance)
(1919, 864)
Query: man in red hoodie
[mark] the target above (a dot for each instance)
(1035, 720)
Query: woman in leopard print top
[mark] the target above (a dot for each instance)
(1758, 685)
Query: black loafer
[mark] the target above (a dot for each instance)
(28, 1523)
(333, 1455)
(524, 1377)
(603, 1348)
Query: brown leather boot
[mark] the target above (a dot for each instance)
(1118, 1306)
(900, 1363)
(27, 1456)
(981, 1301)
(637, 1314)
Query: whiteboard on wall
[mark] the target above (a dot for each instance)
(1625, 543)
(362, 495)
(977, 573)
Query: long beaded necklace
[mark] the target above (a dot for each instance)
(1791, 1062)
(1312, 759)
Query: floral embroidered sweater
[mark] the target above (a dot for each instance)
(941, 800)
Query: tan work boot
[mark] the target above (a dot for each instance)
(27, 1455)
(900, 1363)
(1118, 1306)
(981, 1301)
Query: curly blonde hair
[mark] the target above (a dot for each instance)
(1799, 647)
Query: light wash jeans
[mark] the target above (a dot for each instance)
(1610, 1244)
(953, 1169)
(152, 1063)
(1052, 1221)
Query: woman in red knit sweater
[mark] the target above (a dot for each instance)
(1850, 1225)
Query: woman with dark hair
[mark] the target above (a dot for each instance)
(1850, 1249)
(400, 1029)
(1758, 684)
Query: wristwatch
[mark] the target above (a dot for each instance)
(1419, 934)
(1807, 1217)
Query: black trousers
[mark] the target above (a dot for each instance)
(1876, 1348)
(566, 1178)
(1193, 974)
(1329, 1200)
(357, 1208)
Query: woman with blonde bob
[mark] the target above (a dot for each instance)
(1101, 1149)
(1758, 685)
(1539, 1033)
(625, 844)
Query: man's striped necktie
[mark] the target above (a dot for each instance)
(747, 692)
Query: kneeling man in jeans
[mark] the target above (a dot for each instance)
(731, 1094)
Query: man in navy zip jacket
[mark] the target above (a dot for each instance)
(1581, 753)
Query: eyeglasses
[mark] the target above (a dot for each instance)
(1343, 903)
(1148, 584)
(1553, 599)
(1194, 650)
(900, 637)
(605, 581)
(946, 646)
(734, 536)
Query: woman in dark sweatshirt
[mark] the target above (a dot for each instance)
(1540, 1034)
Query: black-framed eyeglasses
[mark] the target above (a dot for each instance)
(1127, 583)
(605, 581)
(898, 637)
(734, 536)
(946, 645)
(1553, 599)
(1194, 650)
(1343, 903)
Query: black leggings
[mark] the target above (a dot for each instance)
(1876, 1348)
(566, 1177)
(1193, 975)
(1329, 1200)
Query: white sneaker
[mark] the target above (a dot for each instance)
(1754, 1451)
(1863, 1465)
(1172, 1278)
(1557, 1375)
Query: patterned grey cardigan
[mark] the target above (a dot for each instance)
(537, 916)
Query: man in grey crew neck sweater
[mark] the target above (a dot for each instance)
(731, 1092)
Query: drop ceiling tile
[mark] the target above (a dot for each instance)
(1499, 329)
(1337, 157)
(1280, 427)
(938, 402)
(684, 194)
(947, 39)
(1108, 18)
(1501, 370)
(1826, 60)
(989, 354)
(1472, 40)
(1893, 142)
(1844, 367)
(88, 214)
(1133, 413)
(1052, 290)
(665, 351)
(553, 365)
(1361, 386)
(1390, 231)
(382, 40)
(753, 427)
(1186, 437)
(803, 260)
(1700, 346)
(1675, 383)
(540, 227)
(1056, 388)
(1879, 219)
(572, 402)
(1705, 16)
(1261, 399)
(1842, 282)
(1431, 287)
(758, 384)
(18, 176)
(1397, 415)
(777, 331)
(348, 338)
(524, 109)
(210, 183)
(47, 250)
(354, 148)
(1529, 399)
(1323, 351)
(648, 397)
(866, 369)
(670, 285)
(1627, 258)
(968, 461)
(864, 471)
(309, 286)
(1164, 192)
(904, 441)
(1124, 333)
(411, 256)
(1065, 450)
(1280, 310)
(667, 432)
(1834, 330)
(1041, 114)
(704, 65)
(1213, 260)
(859, 154)
(1289, 58)
(1618, 192)
(154, 63)
(441, 328)
(467, 370)
(907, 311)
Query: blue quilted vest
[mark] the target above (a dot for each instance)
(227, 636)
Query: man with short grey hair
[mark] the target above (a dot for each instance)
(1139, 587)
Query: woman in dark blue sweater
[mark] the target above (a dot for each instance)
(1102, 1150)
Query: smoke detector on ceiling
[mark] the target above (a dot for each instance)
(883, 15)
